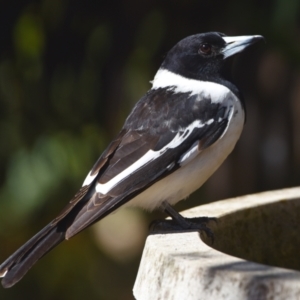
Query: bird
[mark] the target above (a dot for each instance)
(174, 139)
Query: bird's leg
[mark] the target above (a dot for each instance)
(178, 222)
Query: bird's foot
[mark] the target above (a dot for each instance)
(185, 224)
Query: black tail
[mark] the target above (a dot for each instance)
(18, 264)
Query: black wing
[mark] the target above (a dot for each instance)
(162, 127)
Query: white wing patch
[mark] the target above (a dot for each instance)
(229, 120)
(205, 89)
(89, 179)
(210, 121)
(189, 155)
(3, 274)
(148, 157)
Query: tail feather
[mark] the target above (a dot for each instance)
(18, 264)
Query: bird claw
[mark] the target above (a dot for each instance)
(192, 224)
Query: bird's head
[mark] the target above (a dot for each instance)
(202, 56)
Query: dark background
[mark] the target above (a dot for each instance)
(70, 72)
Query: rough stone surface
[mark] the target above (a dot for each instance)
(258, 232)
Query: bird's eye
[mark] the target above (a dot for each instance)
(205, 49)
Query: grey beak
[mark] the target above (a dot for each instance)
(236, 44)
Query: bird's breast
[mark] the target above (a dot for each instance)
(191, 176)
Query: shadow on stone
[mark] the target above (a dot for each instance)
(267, 234)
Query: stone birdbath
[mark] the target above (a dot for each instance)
(255, 254)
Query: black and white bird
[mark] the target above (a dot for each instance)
(174, 139)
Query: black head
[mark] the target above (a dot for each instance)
(201, 56)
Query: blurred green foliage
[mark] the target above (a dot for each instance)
(70, 71)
